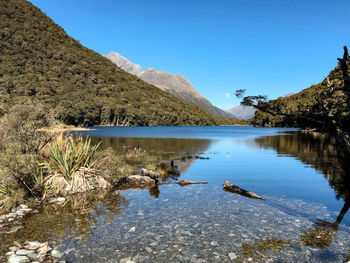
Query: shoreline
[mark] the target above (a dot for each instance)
(64, 129)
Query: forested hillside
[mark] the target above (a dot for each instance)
(40, 62)
(324, 106)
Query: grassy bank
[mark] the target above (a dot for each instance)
(37, 164)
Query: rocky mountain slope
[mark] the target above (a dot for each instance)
(176, 85)
(40, 62)
(242, 112)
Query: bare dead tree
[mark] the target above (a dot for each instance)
(344, 68)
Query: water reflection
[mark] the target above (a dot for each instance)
(163, 147)
(322, 153)
(150, 152)
(318, 151)
(74, 219)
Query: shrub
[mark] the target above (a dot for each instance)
(20, 145)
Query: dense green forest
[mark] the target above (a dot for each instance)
(40, 62)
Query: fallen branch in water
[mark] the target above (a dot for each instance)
(237, 190)
(182, 183)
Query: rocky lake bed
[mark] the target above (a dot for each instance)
(299, 219)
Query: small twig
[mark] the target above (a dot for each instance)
(23, 183)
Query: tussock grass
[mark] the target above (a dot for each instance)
(71, 166)
(68, 155)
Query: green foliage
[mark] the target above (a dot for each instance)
(40, 61)
(38, 179)
(68, 155)
(3, 190)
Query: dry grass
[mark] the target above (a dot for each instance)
(83, 180)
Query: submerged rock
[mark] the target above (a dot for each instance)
(24, 252)
(232, 256)
(44, 249)
(33, 245)
(153, 174)
(18, 259)
(148, 249)
(56, 254)
(14, 229)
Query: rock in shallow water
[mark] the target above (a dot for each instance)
(137, 180)
(14, 229)
(56, 254)
(126, 260)
(33, 245)
(24, 252)
(44, 249)
(148, 249)
(232, 256)
(18, 259)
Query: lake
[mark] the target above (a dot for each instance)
(302, 177)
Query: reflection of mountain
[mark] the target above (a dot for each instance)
(319, 151)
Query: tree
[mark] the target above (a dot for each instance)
(258, 102)
(344, 68)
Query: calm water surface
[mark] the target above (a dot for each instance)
(303, 218)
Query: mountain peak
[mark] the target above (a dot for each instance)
(177, 85)
(124, 63)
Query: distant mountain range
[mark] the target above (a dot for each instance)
(242, 112)
(177, 85)
(247, 112)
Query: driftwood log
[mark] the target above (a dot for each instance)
(237, 190)
(149, 178)
(182, 182)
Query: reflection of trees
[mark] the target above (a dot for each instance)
(322, 153)
(77, 217)
(319, 151)
(156, 149)
(159, 146)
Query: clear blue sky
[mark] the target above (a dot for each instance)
(269, 47)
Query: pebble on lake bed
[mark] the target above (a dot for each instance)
(14, 215)
(33, 252)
